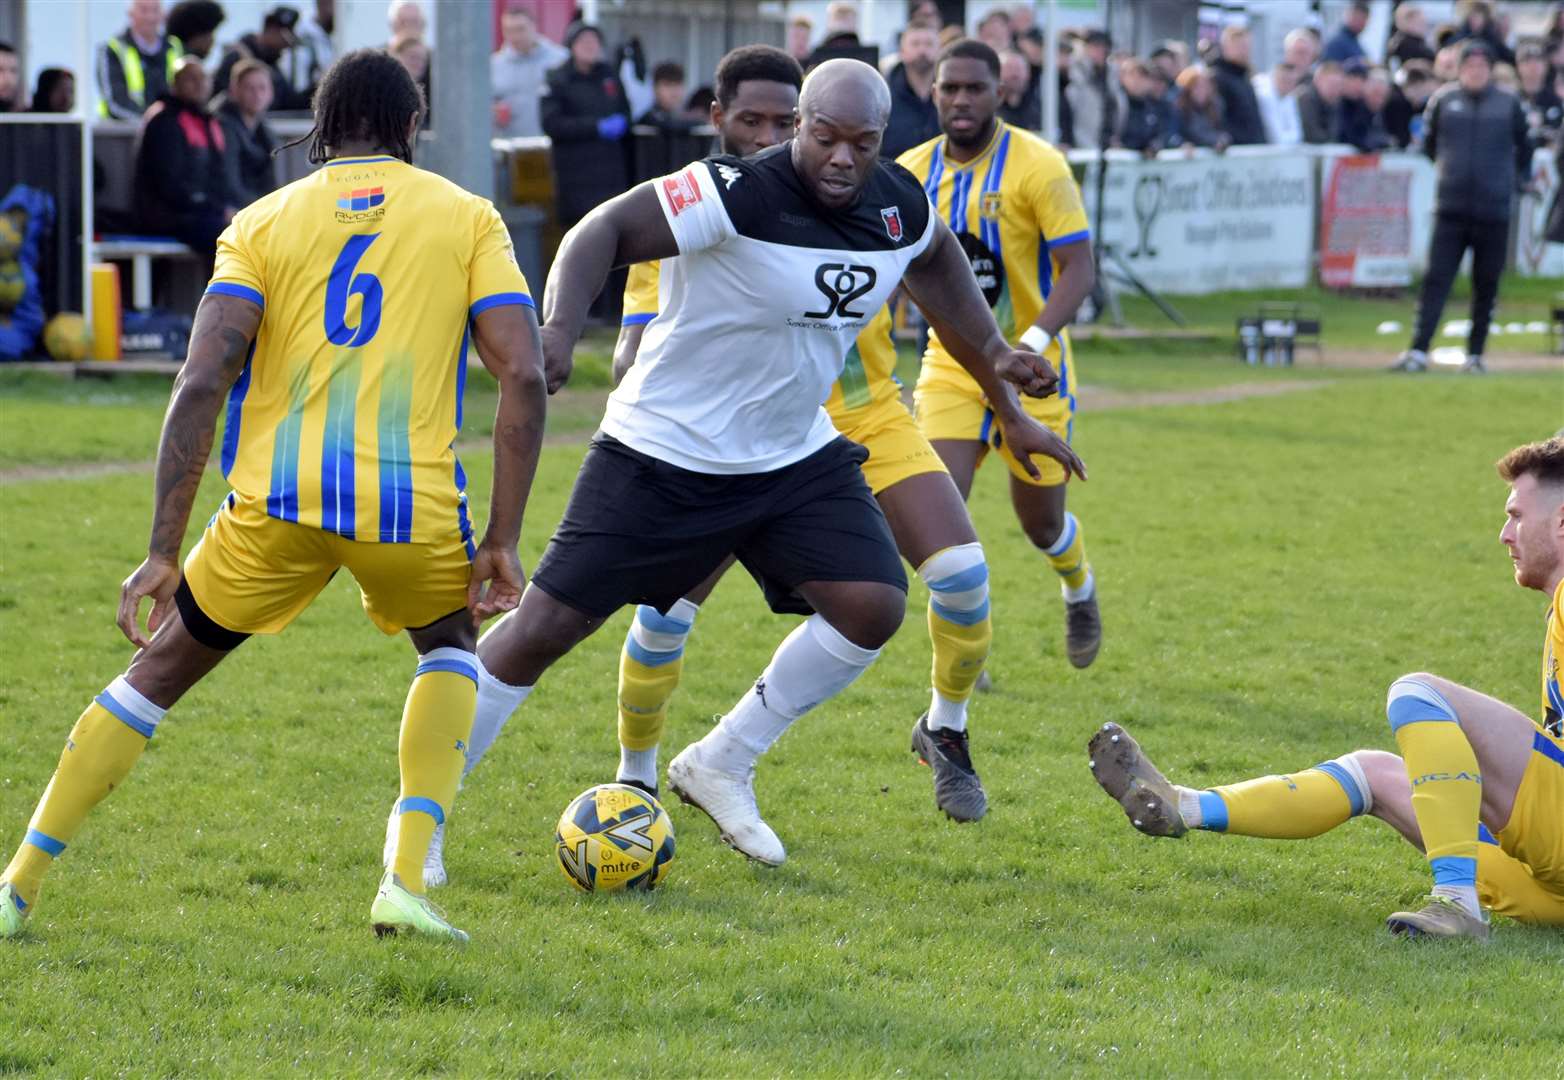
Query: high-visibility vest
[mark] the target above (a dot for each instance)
(135, 76)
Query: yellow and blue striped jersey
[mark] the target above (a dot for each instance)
(368, 273)
(1552, 655)
(1010, 206)
(868, 374)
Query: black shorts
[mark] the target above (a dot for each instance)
(641, 531)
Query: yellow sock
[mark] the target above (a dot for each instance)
(1068, 555)
(1292, 807)
(436, 724)
(960, 629)
(649, 668)
(103, 746)
(1447, 788)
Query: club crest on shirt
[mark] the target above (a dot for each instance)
(891, 215)
(990, 206)
(682, 192)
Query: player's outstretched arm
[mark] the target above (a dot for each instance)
(508, 344)
(219, 344)
(625, 230)
(941, 283)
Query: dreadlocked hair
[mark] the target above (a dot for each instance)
(366, 96)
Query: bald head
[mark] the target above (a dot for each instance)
(848, 92)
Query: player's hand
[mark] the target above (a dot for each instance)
(498, 567)
(1028, 372)
(1024, 437)
(558, 357)
(158, 578)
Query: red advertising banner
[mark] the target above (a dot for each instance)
(1365, 224)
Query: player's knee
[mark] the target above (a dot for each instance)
(1043, 529)
(1382, 769)
(875, 619)
(957, 578)
(1418, 697)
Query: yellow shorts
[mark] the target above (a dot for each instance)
(897, 449)
(1522, 873)
(254, 574)
(950, 405)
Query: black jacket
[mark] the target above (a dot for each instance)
(913, 121)
(1150, 123)
(284, 97)
(1404, 47)
(588, 169)
(179, 166)
(1321, 121)
(1398, 116)
(1240, 108)
(1026, 113)
(1480, 150)
(247, 157)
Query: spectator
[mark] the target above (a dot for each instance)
(1066, 113)
(194, 23)
(312, 52)
(136, 67)
(1093, 106)
(1476, 136)
(1319, 105)
(181, 188)
(518, 74)
(1478, 25)
(1031, 44)
(1410, 41)
(1166, 62)
(56, 91)
(1544, 110)
(1200, 110)
(1343, 44)
(700, 101)
(1023, 20)
(1278, 100)
(1506, 79)
(1149, 124)
(266, 47)
(1374, 136)
(1353, 113)
(412, 53)
(914, 119)
(248, 164)
(405, 18)
(800, 34)
(841, 32)
(1414, 85)
(1240, 109)
(993, 30)
(10, 79)
(668, 100)
(1018, 100)
(1447, 64)
(586, 116)
(1300, 50)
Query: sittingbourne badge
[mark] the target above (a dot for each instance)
(891, 215)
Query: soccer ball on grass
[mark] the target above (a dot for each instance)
(614, 836)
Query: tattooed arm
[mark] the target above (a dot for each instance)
(219, 344)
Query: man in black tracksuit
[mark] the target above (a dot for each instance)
(1476, 134)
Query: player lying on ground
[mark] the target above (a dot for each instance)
(1478, 786)
(338, 448)
(1013, 203)
(716, 444)
(757, 101)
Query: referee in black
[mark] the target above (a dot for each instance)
(1476, 135)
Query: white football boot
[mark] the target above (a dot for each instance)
(434, 859)
(729, 800)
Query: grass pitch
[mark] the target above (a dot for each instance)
(1267, 567)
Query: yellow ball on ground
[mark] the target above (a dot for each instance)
(614, 836)
(66, 337)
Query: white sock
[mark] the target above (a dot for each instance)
(1466, 896)
(1189, 807)
(1075, 596)
(638, 765)
(945, 713)
(496, 702)
(813, 663)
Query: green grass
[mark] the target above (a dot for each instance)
(1267, 567)
(1350, 321)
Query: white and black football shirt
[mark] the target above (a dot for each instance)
(758, 311)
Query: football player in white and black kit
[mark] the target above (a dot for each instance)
(716, 442)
